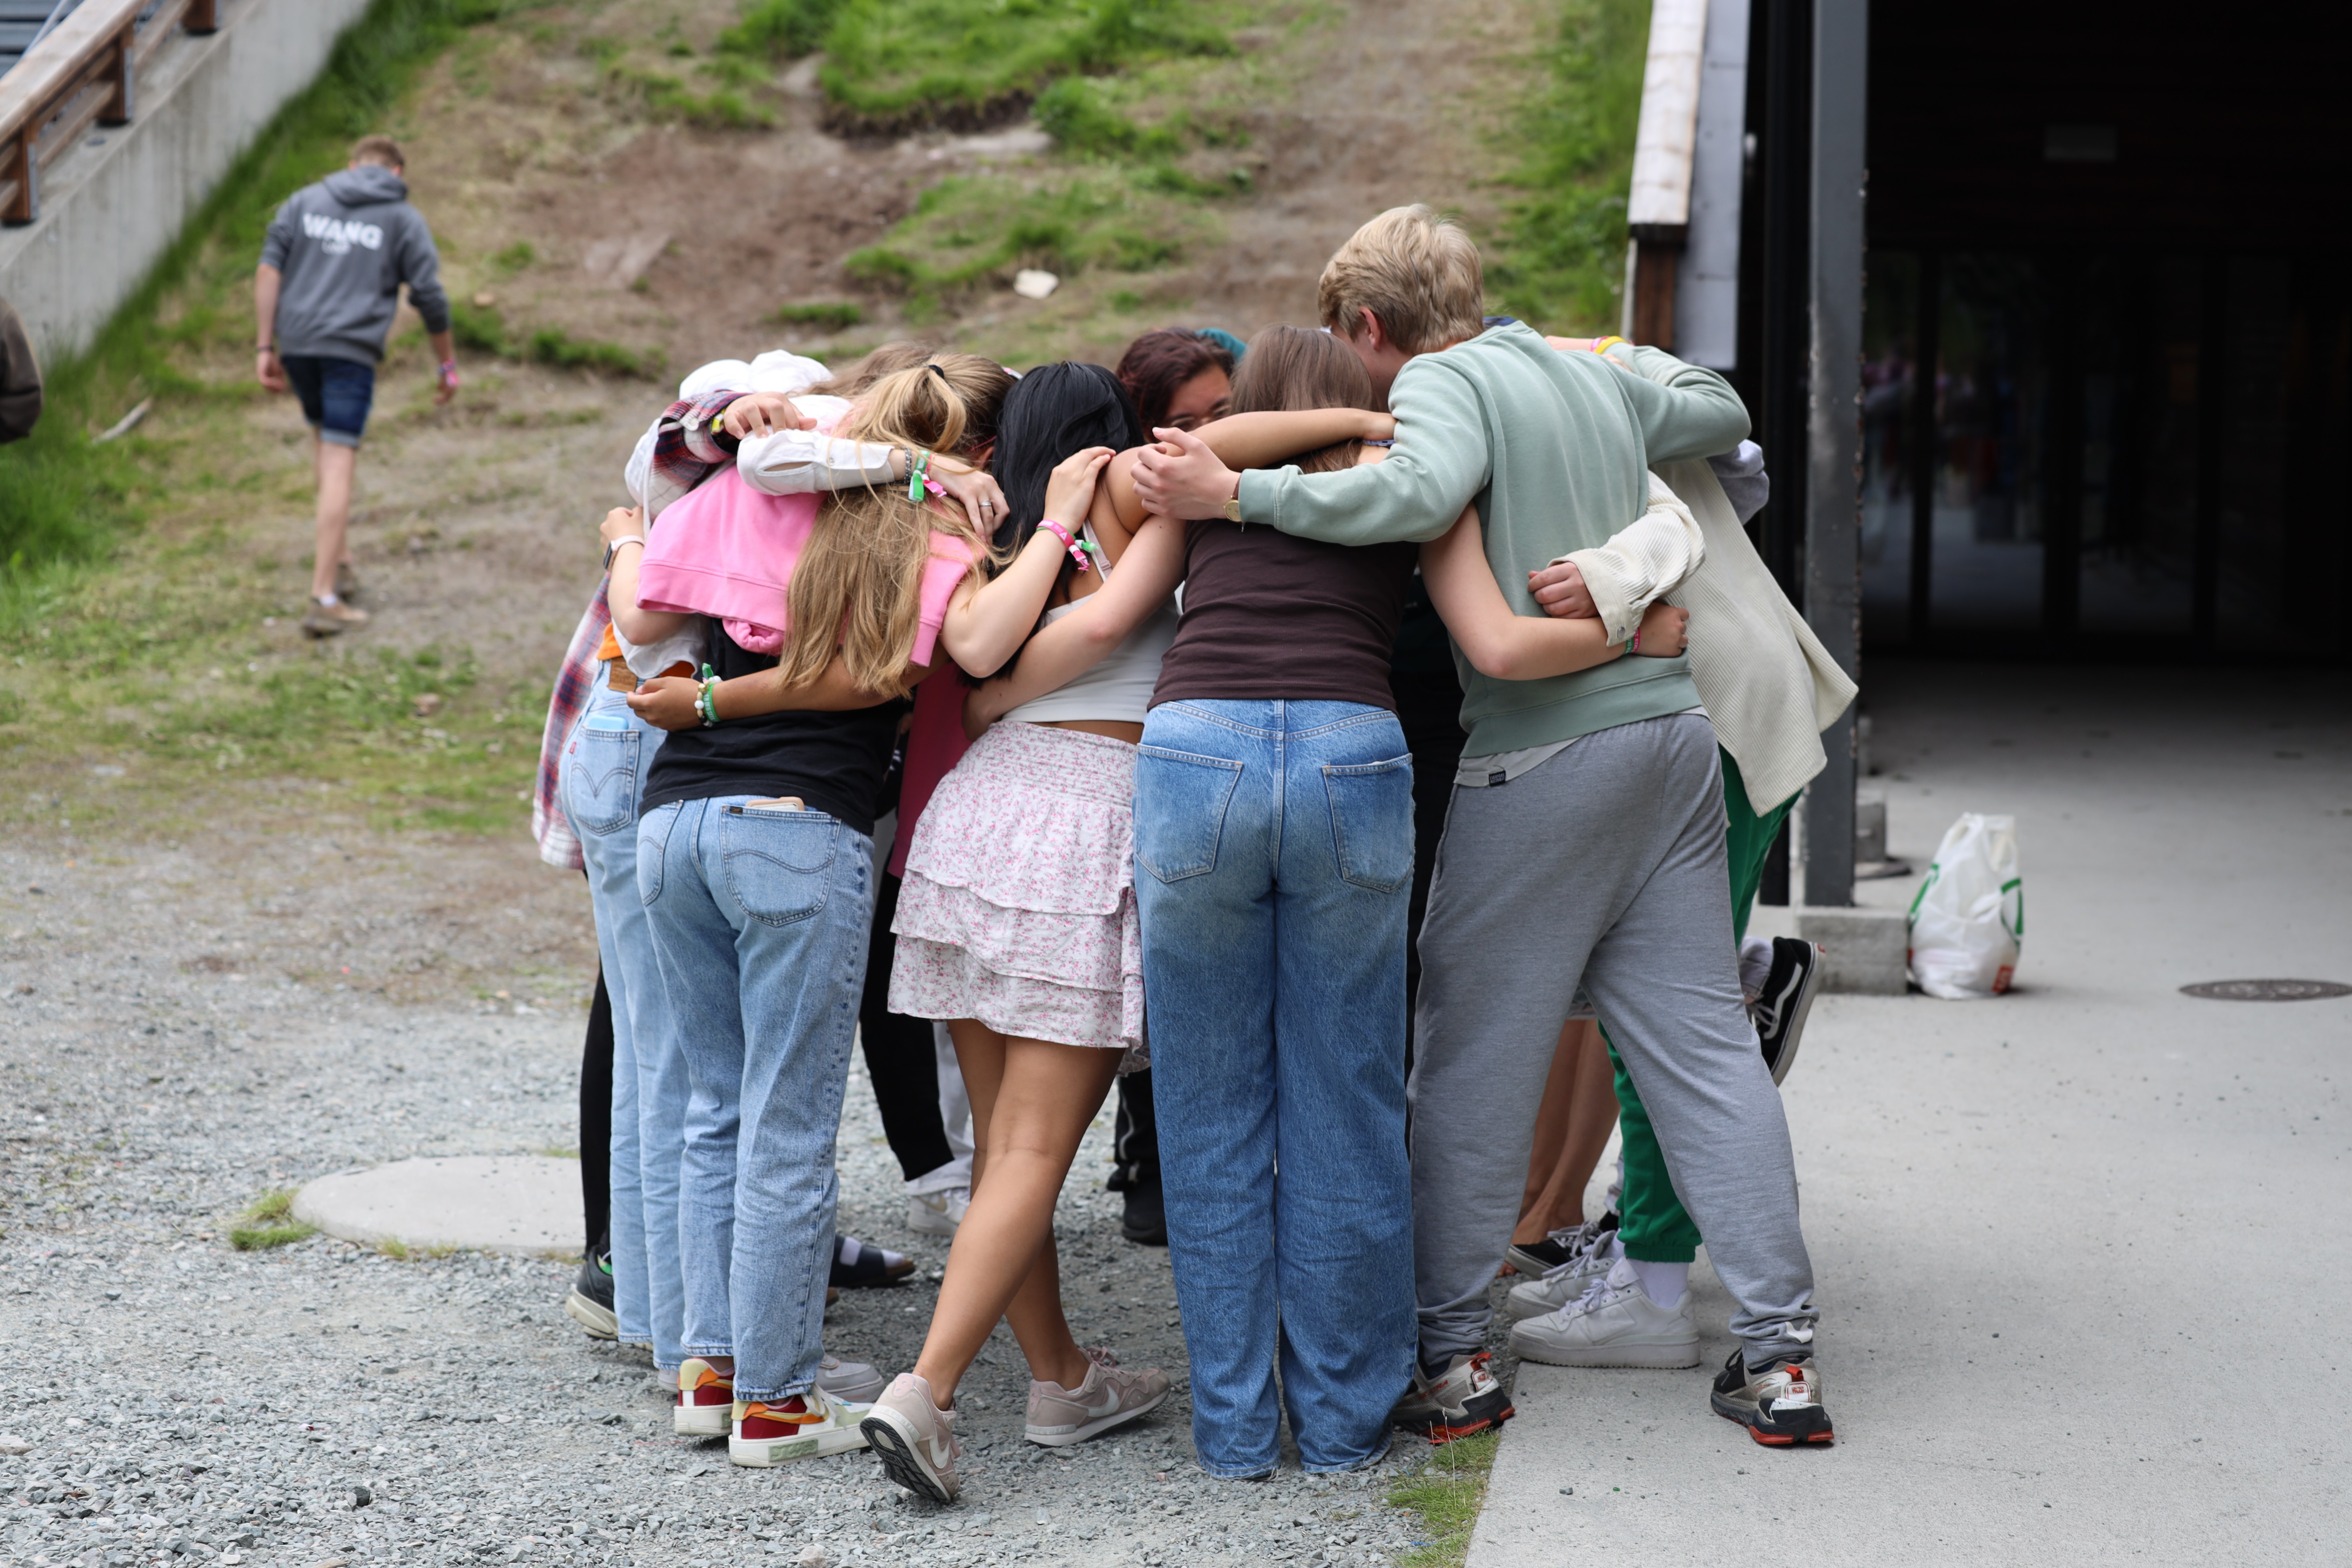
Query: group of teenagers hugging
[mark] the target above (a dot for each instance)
(1160, 800)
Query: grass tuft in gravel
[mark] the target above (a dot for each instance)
(1448, 1494)
(272, 1223)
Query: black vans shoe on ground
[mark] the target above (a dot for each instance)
(590, 1303)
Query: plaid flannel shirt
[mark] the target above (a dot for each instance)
(558, 845)
(688, 446)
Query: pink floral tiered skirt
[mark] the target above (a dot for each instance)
(1019, 903)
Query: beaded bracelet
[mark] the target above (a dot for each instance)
(706, 704)
(1077, 552)
(918, 474)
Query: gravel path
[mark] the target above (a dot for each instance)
(182, 1401)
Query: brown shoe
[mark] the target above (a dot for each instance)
(326, 620)
(347, 583)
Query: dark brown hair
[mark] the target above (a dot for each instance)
(1291, 368)
(1157, 364)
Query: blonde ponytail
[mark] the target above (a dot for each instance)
(858, 582)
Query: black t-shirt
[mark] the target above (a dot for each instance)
(1269, 615)
(834, 761)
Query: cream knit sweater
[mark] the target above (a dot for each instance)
(1768, 685)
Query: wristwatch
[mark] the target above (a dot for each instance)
(1233, 504)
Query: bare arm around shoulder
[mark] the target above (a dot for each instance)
(1255, 440)
(1149, 571)
(667, 702)
(987, 622)
(624, 533)
(1508, 647)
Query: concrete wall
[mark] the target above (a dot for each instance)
(109, 206)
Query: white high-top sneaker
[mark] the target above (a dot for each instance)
(1615, 1323)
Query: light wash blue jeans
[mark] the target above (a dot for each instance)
(1274, 861)
(760, 919)
(602, 777)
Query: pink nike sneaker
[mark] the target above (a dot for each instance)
(914, 1438)
(1110, 1396)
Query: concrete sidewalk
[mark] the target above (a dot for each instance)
(2082, 1250)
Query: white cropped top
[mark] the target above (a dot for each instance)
(1120, 687)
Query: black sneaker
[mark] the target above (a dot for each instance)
(1461, 1402)
(858, 1263)
(1780, 1405)
(1540, 1258)
(1144, 1220)
(1779, 1012)
(590, 1303)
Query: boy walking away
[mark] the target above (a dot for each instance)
(324, 296)
(1585, 838)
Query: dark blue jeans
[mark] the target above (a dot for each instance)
(1273, 865)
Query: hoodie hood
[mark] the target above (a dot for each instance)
(366, 186)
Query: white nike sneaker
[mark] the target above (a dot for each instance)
(938, 1214)
(1615, 1323)
(1558, 1287)
(1110, 1396)
(915, 1439)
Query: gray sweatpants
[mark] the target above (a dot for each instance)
(1606, 861)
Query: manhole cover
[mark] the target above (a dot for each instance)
(2266, 990)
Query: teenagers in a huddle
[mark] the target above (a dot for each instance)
(1208, 822)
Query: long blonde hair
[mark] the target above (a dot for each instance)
(858, 582)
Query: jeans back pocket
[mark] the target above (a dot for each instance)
(778, 864)
(653, 847)
(1180, 810)
(600, 787)
(1371, 822)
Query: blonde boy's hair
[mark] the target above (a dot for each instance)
(1417, 273)
(381, 150)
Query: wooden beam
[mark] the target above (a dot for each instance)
(1656, 263)
(1667, 133)
(121, 78)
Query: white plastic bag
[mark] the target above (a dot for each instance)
(1967, 921)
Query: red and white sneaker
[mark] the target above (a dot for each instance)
(1460, 1401)
(706, 1399)
(1780, 1404)
(804, 1426)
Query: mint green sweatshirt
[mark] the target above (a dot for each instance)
(1555, 449)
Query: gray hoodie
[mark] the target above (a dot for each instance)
(345, 246)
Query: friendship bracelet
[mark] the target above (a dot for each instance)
(1635, 645)
(1077, 552)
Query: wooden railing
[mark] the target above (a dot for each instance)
(86, 70)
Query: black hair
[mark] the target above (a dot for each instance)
(1052, 411)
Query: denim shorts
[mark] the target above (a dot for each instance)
(335, 395)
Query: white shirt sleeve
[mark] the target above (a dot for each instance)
(1643, 562)
(799, 462)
